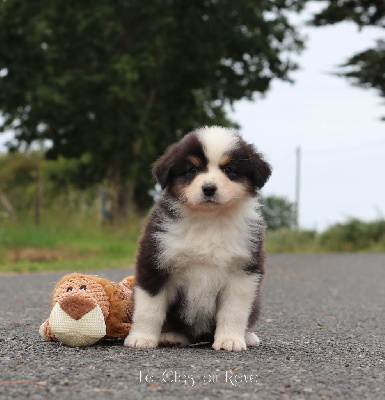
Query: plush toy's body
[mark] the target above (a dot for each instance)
(87, 308)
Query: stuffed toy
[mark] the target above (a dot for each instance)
(87, 308)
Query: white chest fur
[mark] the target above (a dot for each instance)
(202, 253)
(220, 239)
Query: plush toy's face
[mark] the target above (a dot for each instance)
(80, 308)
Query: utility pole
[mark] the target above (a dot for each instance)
(297, 186)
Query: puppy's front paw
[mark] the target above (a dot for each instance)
(140, 341)
(252, 339)
(230, 343)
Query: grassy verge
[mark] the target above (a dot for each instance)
(289, 241)
(353, 236)
(76, 244)
(67, 246)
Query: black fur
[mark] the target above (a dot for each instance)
(147, 275)
(247, 162)
(174, 163)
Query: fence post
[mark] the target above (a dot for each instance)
(38, 194)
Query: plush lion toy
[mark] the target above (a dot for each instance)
(87, 308)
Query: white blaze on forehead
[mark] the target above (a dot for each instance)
(216, 142)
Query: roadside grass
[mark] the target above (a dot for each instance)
(340, 238)
(285, 240)
(67, 243)
(67, 246)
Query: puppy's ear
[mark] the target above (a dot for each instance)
(261, 168)
(162, 169)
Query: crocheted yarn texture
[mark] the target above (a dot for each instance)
(87, 308)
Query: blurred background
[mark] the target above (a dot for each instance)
(91, 93)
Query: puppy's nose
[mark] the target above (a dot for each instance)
(209, 189)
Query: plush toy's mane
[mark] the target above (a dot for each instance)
(102, 281)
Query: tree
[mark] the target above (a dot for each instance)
(362, 12)
(278, 212)
(112, 83)
(365, 69)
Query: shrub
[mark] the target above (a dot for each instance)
(354, 235)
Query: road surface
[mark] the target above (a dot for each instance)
(322, 332)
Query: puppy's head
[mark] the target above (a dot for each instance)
(212, 167)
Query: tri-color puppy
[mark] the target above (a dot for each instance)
(200, 262)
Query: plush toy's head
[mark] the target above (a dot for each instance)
(87, 308)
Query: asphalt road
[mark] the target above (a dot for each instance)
(322, 332)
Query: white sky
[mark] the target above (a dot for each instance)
(337, 126)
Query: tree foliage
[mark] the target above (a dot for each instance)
(278, 212)
(362, 12)
(112, 83)
(365, 69)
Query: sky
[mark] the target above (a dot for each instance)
(336, 125)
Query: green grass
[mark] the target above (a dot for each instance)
(65, 243)
(67, 246)
(289, 241)
(353, 236)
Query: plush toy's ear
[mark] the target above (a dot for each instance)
(163, 166)
(261, 168)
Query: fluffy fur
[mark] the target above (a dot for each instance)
(200, 262)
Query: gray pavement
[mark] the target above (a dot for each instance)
(322, 332)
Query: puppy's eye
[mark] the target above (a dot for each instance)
(69, 289)
(83, 287)
(227, 170)
(193, 170)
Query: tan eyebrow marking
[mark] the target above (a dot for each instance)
(194, 161)
(224, 160)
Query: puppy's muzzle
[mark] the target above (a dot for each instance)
(209, 189)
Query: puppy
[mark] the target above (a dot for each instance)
(200, 261)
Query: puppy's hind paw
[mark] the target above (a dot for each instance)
(169, 339)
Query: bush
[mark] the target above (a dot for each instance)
(352, 236)
(355, 235)
(278, 212)
(60, 198)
